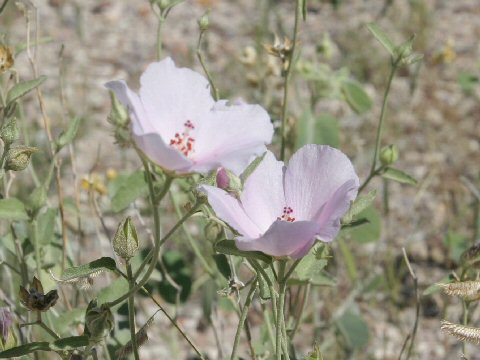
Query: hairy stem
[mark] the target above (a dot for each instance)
(131, 312)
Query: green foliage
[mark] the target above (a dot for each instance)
(68, 135)
(228, 247)
(323, 130)
(382, 37)
(468, 82)
(353, 328)
(23, 88)
(46, 226)
(92, 268)
(222, 265)
(398, 176)
(360, 204)
(25, 349)
(125, 189)
(356, 97)
(456, 245)
(12, 209)
(369, 232)
(178, 270)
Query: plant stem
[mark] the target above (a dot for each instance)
(283, 131)
(38, 260)
(298, 319)
(215, 92)
(161, 20)
(383, 111)
(280, 308)
(243, 317)
(131, 311)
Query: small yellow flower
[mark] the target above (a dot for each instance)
(111, 174)
(92, 183)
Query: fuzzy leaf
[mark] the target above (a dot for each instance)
(399, 176)
(323, 130)
(25, 349)
(128, 190)
(383, 38)
(68, 135)
(360, 204)
(353, 328)
(100, 265)
(228, 247)
(12, 209)
(46, 226)
(69, 343)
(22, 88)
(356, 97)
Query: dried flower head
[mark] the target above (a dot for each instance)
(461, 332)
(6, 58)
(34, 299)
(280, 49)
(468, 290)
(141, 337)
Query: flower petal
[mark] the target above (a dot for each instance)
(140, 121)
(330, 214)
(172, 95)
(313, 175)
(228, 209)
(229, 136)
(283, 239)
(161, 154)
(262, 196)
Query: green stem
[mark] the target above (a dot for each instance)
(201, 58)
(298, 319)
(38, 261)
(161, 20)
(131, 312)
(383, 112)
(283, 130)
(280, 309)
(243, 317)
(192, 243)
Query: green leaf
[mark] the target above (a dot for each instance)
(360, 204)
(370, 232)
(68, 135)
(69, 343)
(128, 189)
(382, 37)
(46, 226)
(228, 247)
(456, 245)
(468, 82)
(68, 318)
(94, 267)
(356, 97)
(19, 48)
(309, 267)
(432, 289)
(12, 209)
(112, 292)
(178, 270)
(353, 328)
(322, 130)
(399, 176)
(25, 350)
(22, 88)
(223, 266)
(251, 168)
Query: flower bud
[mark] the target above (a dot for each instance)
(9, 132)
(228, 181)
(5, 323)
(18, 157)
(119, 114)
(99, 321)
(212, 231)
(125, 241)
(388, 155)
(204, 22)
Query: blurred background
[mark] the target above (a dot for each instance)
(366, 306)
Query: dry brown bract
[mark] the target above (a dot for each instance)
(461, 332)
(6, 58)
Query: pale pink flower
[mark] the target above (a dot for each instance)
(179, 126)
(283, 210)
(5, 322)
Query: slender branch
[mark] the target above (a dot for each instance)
(131, 312)
(283, 130)
(5, 2)
(280, 308)
(243, 317)
(215, 92)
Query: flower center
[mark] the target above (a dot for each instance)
(184, 142)
(287, 214)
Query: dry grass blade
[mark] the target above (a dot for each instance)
(142, 338)
(461, 332)
(468, 290)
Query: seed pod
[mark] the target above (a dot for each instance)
(125, 241)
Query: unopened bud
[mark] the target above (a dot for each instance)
(99, 321)
(204, 22)
(119, 114)
(125, 241)
(388, 155)
(18, 157)
(9, 132)
(228, 181)
(212, 231)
